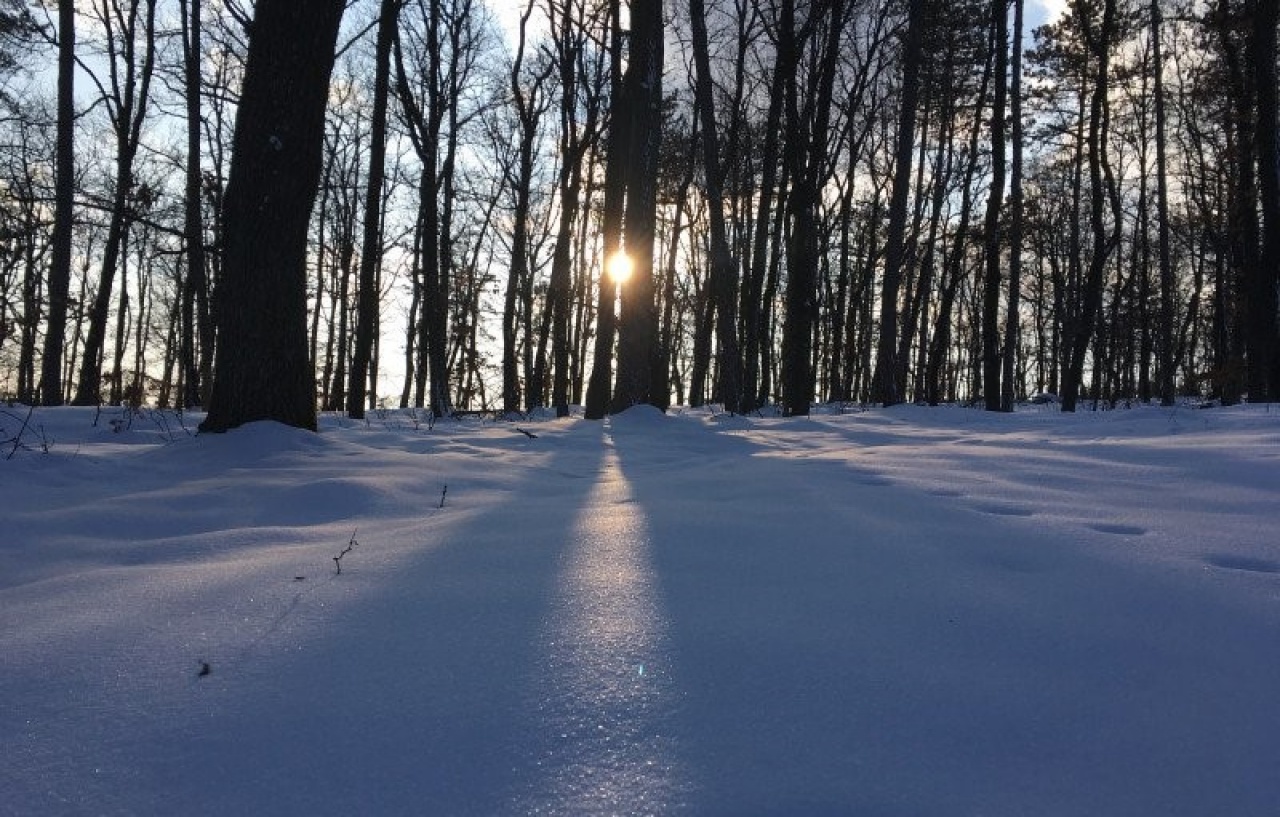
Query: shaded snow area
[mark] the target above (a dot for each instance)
(899, 612)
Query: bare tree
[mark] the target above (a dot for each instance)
(601, 380)
(263, 370)
(993, 245)
(642, 376)
(59, 286)
(886, 387)
(197, 320)
(724, 271)
(371, 245)
(1098, 37)
(130, 31)
(1012, 331)
(531, 101)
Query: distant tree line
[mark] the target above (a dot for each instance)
(823, 200)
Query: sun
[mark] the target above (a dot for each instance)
(619, 267)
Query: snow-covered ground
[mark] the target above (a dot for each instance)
(897, 612)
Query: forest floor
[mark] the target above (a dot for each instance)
(912, 611)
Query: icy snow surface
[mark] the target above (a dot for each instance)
(896, 612)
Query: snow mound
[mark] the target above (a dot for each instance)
(640, 415)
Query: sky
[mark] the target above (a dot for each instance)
(905, 611)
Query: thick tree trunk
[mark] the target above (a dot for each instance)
(1264, 285)
(642, 375)
(806, 154)
(263, 369)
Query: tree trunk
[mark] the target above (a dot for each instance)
(129, 109)
(57, 296)
(620, 120)
(885, 388)
(1167, 282)
(197, 329)
(754, 311)
(993, 245)
(806, 154)
(1009, 382)
(1263, 286)
(263, 370)
(642, 376)
(723, 278)
(1099, 41)
(371, 243)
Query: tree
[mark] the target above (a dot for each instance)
(993, 246)
(263, 370)
(371, 245)
(1167, 284)
(601, 379)
(886, 387)
(51, 388)
(531, 102)
(1008, 384)
(1099, 38)
(642, 376)
(18, 29)
(807, 120)
(197, 326)
(131, 53)
(1263, 285)
(724, 271)
(437, 53)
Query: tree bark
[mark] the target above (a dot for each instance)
(59, 287)
(529, 106)
(263, 370)
(197, 328)
(642, 376)
(1167, 281)
(1012, 331)
(1099, 44)
(885, 386)
(993, 245)
(128, 110)
(1264, 285)
(723, 280)
(371, 241)
(620, 122)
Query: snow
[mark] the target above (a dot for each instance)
(911, 611)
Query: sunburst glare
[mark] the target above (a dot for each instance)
(619, 267)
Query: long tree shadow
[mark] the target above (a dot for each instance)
(848, 646)
(759, 608)
(418, 700)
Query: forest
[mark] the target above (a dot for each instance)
(837, 201)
